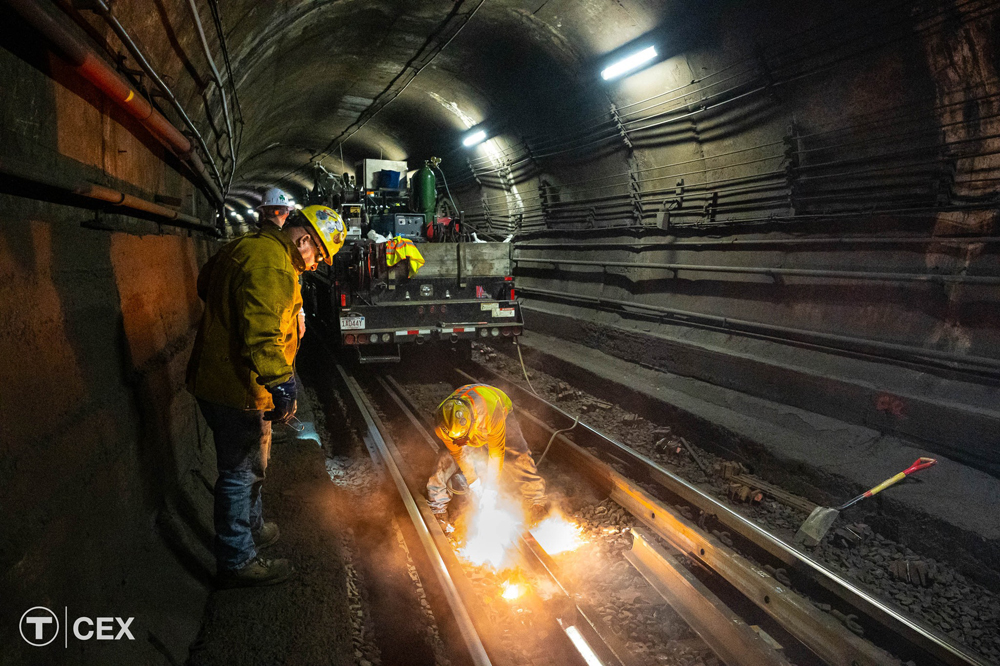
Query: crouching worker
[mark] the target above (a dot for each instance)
(242, 373)
(474, 418)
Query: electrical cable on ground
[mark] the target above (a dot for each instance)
(553, 438)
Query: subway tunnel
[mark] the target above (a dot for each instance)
(765, 232)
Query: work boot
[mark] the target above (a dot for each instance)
(257, 572)
(267, 536)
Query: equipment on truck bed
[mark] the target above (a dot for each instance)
(463, 290)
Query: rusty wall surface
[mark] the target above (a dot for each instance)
(99, 440)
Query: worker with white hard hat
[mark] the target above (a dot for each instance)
(275, 207)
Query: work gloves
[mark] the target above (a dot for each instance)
(283, 396)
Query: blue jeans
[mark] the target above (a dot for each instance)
(242, 448)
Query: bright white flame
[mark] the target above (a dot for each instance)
(493, 531)
(475, 138)
(557, 535)
(582, 647)
(511, 591)
(628, 64)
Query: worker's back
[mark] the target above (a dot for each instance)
(249, 328)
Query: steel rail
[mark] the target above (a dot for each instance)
(387, 453)
(818, 631)
(934, 647)
(567, 609)
(732, 639)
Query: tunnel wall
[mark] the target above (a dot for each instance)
(102, 456)
(776, 167)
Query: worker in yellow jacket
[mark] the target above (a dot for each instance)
(242, 373)
(478, 418)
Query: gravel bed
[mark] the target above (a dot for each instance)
(935, 593)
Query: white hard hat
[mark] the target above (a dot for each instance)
(276, 197)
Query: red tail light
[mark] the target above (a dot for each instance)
(517, 331)
(349, 339)
(511, 293)
(343, 300)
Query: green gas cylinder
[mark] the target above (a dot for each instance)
(424, 188)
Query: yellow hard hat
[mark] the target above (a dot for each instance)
(329, 227)
(455, 417)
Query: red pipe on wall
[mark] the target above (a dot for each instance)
(93, 68)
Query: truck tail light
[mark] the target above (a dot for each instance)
(343, 300)
(517, 330)
(349, 339)
(512, 293)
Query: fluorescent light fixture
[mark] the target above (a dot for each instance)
(629, 63)
(298, 206)
(474, 138)
(250, 211)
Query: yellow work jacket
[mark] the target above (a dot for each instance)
(249, 329)
(397, 249)
(490, 407)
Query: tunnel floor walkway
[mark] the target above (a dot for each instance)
(339, 534)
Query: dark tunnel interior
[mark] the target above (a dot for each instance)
(773, 243)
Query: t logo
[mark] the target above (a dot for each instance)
(39, 626)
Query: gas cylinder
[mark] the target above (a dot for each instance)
(424, 188)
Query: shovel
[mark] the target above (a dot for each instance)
(819, 521)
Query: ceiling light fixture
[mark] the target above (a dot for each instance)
(474, 138)
(629, 63)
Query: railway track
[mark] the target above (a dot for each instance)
(749, 596)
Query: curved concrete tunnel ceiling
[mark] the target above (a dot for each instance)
(311, 75)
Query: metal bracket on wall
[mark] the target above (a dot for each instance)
(711, 207)
(635, 190)
(764, 70)
(472, 170)
(626, 139)
(667, 205)
(487, 213)
(793, 149)
(543, 199)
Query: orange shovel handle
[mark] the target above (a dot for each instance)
(921, 463)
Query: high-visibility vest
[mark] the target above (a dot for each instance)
(397, 249)
(490, 408)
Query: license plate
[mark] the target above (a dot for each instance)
(352, 323)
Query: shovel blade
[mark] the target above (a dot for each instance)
(816, 525)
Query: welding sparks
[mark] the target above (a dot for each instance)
(512, 591)
(557, 535)
(493, 532)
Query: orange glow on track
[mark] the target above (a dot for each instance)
(557, 535)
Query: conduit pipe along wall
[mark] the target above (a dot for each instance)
(218, 81)
(104, 11)
(91, 67)
(100, 193)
